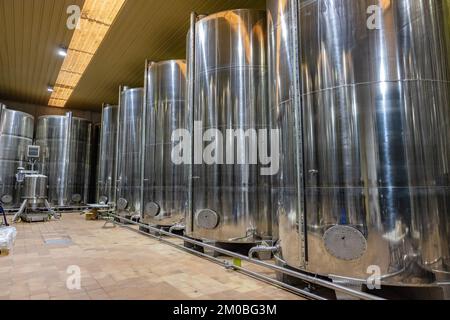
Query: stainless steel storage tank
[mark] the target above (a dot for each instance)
(64, 147)
(228, 72)
(287, 184)
(107, 156)
(88, 164)
(16, 134)
(376, 137)
(128, 152)
(94, 161)
(165, 182)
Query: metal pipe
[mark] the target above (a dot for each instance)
(301, 276)
(135, 217)
(279, 283)
(177, 227)
(227, 264)
(262, 249)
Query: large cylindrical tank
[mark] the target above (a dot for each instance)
(88, 164)
(107, 156)
(64, 144)
(376, 138)
(129, 146)
(230, 199)
(16, 134)
(284, 109)
(94, 161)
(165, 182)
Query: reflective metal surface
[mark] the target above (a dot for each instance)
(88, 164)
(129, 151)
(165, 183)
(376, 124)
(94, 161)
(35, 186)
(284, 71)
(107, 155)
(16, 133)
(230, 92)
(64, 144)
(35, 190)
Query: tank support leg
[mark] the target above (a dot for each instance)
(20, 212)
(51, 212)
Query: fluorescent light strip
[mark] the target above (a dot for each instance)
(97, 16)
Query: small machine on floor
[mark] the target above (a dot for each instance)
(34, 186)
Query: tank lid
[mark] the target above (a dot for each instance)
(8, 109)
(109, 106)
(35, 176)
(133, 89)
(80, 119)
(226, 12)
(159, 63)
(60, 117)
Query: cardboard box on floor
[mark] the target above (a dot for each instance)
(91, 215)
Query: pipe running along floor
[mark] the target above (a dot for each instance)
(116, 263)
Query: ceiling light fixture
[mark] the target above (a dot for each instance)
(97, 16)
(50, 89)
(62, 52)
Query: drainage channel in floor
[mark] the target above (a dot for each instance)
(60, 240)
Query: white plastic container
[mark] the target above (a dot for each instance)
(7, 239)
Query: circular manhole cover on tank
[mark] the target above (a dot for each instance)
(122, 204)
(103, 200)
(152, 209)
(345, 242)
(207, 219)
(7, 199)
(76, 198)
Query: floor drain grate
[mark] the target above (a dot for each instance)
(64, 241)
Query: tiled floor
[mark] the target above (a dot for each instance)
(115, 264)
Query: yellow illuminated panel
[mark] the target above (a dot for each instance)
(97, 16)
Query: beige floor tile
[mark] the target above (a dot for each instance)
(115, 264)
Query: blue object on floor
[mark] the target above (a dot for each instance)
(4, 215)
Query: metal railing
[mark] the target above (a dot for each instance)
(304, 277)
